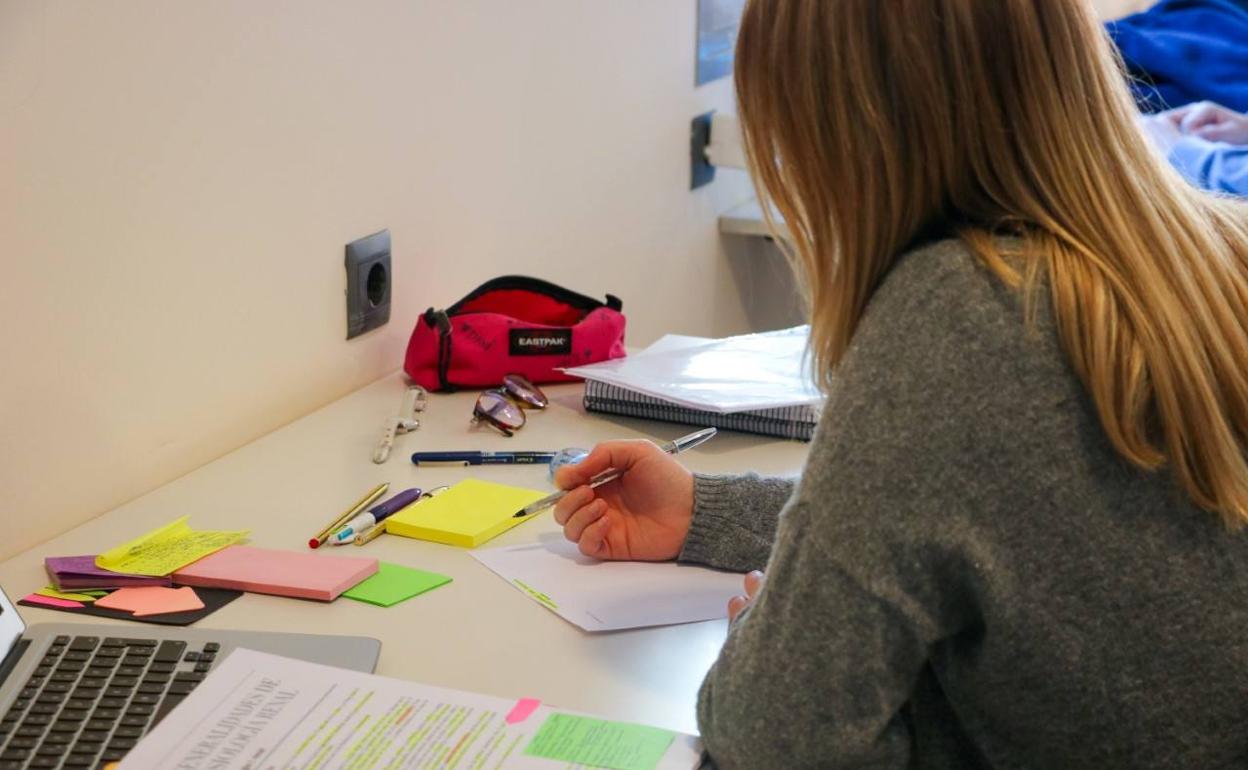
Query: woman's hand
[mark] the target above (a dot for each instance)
(643, 516)
(1211, 122)
(753, 583)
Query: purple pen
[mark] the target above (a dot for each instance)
(370, 518)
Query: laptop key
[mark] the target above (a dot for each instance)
(64, 738)
(29, 731)
(166, 706)
(52, 749)
(134, 720)
(81, 656)
(23, 743)
(15, 754)
(127, 732)
(44, 763)
(73, 715)
(182, 688)
(87, 643)
(170, 651)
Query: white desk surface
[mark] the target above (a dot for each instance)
(476, 633)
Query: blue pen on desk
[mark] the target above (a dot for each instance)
(482, 458)
(370, 518)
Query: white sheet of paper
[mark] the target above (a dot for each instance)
(610, 595)
(766, 370)
(263, 712)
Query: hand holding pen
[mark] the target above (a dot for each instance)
(643, 514)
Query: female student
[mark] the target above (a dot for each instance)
(1018, 538)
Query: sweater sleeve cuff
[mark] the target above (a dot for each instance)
(734, 520)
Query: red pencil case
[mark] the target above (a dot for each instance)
(513, 325)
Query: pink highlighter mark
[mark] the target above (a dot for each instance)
(51, 601)
(523, 708)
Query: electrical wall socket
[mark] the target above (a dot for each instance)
(701, 172)
(368, 283)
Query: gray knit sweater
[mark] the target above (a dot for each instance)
(966, 574)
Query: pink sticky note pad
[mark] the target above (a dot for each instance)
(51, 601)
(301, 574)
(523, 708)
(151, 600)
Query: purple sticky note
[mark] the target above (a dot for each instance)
(81, 572)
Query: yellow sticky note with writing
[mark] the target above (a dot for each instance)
(164, 550)
(467, 514)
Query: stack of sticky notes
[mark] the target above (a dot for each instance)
(468, 514)
(301, 574)
(68, 572)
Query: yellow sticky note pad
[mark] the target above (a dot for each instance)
(467, 514)
(166, 549)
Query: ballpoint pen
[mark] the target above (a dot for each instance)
(482, 458)
(360, 505)
(370, 518)
(377, 530)
(611, 474)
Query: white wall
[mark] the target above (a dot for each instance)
(179, 179)
(1113, 9)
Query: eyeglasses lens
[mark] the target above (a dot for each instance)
(520, 388)
(496, 408)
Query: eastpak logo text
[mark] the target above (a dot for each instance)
(540, 342)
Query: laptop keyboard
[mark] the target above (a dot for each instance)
(91, 699)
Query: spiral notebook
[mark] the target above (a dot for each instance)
(795, 422)
(756, 383)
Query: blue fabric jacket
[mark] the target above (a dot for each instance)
(1184, 51)
(1212, 165)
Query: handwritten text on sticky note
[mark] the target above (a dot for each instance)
(600, 743)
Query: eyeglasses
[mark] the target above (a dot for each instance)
(503, 408)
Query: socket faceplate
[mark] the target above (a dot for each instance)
(368, 283)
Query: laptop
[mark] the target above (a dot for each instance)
(77, 695)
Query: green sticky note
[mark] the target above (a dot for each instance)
(393, 583)
(599, 743)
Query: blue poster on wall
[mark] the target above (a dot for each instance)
(717, 36)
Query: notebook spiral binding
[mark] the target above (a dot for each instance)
(792, 422)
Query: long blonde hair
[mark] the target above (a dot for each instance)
(872, 124)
